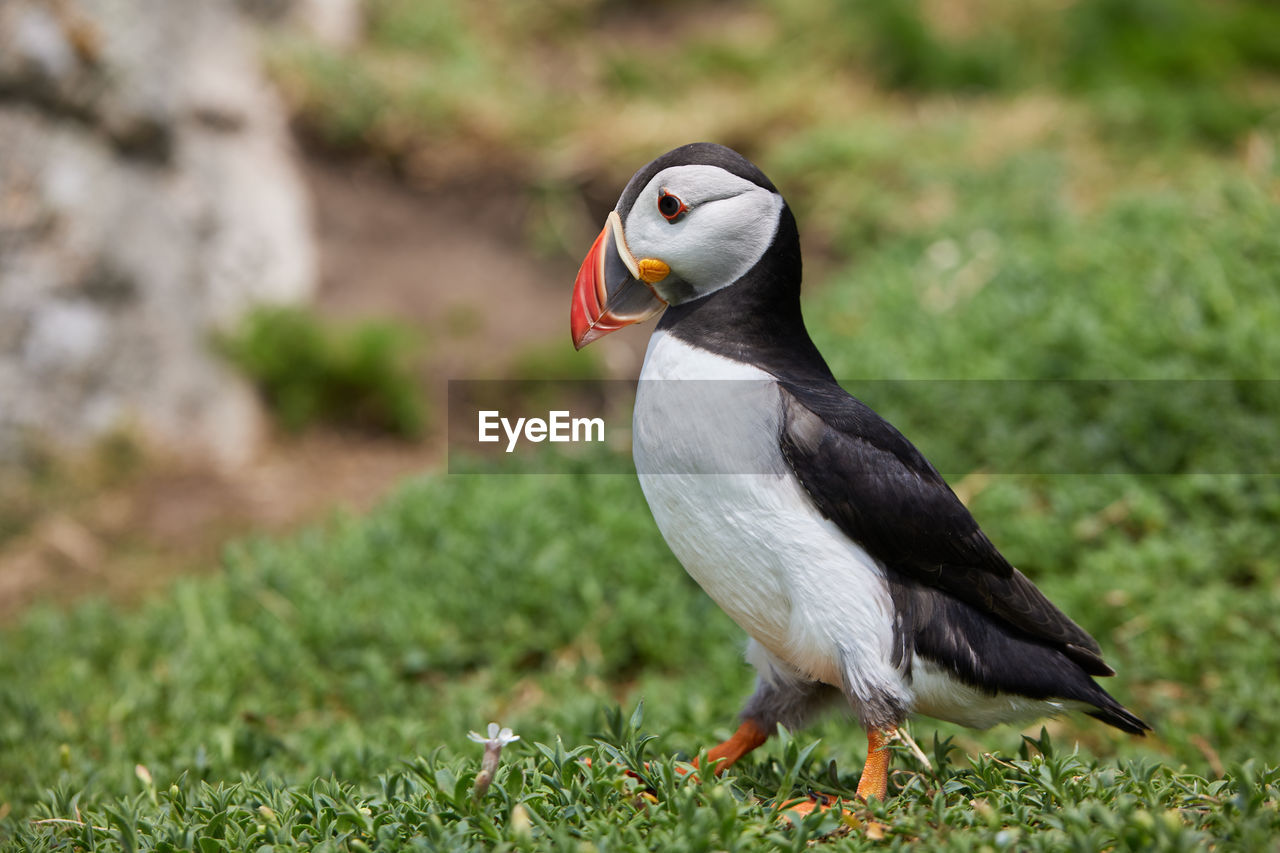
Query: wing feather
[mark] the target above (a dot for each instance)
(868, 479)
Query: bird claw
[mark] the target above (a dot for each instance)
(794, 811)
(791, 813)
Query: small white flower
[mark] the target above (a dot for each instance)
(497, 737)
(493, 744)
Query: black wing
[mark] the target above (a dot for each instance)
(880, 490)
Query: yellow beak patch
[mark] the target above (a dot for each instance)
(653, 270)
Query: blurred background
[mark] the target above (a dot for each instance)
(243, 245)
(409, 186)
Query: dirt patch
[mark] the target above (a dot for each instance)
(452, 262)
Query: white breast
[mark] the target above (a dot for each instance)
(706, 432)
(706, 447)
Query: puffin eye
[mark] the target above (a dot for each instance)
(670, 206)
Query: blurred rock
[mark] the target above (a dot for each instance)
(336, 23)
(148, 197)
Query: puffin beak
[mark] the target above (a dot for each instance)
(610, 292)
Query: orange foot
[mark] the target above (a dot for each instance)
(793, 811)
(874, 783)
(875, 773)
(748, 736)
(798, 809)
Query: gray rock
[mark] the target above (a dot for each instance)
(336, 23)
(148, 198)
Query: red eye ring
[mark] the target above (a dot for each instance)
(670, 206)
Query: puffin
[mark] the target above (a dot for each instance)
(859, 576)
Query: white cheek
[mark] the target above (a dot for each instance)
(725, 240)
(718, 240)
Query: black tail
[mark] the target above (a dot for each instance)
(1113, 713)
(986, 652)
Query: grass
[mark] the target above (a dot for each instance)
(546, 797)
(1053, 292)
(339, 671)
(311, 371)
(560, 93)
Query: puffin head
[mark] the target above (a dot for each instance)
(690, 223)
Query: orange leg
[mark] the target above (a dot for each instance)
(875, 773)
(748, 736)
(874, 782)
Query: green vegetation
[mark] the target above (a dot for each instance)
(556, 359)
(340, 670)
(1034, 195)
(314, 371)
(563, 92)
